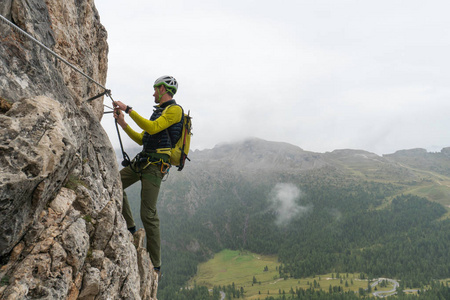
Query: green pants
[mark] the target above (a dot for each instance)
(150, 182)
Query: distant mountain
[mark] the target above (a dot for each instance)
(259, 162)
(420, 159)
(256, 155)
(345, 210)
(255, 160)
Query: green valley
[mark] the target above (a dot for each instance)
(259, 277)
(306, 215)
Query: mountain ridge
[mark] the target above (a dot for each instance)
(260, 154)
(256, 157)
(308, 208)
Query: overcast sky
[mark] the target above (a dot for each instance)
(322, 75)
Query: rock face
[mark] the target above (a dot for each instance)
(63, 235)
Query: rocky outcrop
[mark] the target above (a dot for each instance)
(63, 235)
(73, 30)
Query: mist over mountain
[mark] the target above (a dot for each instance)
(257, 162)
(345, 210)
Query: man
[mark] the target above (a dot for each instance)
(158, 135)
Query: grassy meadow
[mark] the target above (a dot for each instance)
(241, 268)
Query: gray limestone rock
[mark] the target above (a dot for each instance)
(63, 235)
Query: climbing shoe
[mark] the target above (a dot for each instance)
(158, 272)
(132, 229)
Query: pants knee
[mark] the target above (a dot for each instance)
(149, 217)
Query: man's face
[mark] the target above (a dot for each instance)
(157, 94)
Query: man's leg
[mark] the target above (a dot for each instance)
(151, 181)
(128, 177)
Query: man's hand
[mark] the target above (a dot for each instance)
(119, 105)
(120, 117)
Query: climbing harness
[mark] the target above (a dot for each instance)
(164, 166)
(143, 160)
(126, 159)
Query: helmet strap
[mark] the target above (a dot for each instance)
(159, 93)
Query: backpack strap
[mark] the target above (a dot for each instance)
(182, 120)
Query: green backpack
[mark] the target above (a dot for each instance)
(179, 153)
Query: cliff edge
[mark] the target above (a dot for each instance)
(63, 235)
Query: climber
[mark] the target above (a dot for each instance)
(149, 166)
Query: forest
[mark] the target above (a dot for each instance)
(434, 291)
(346, 223)
(351, 226)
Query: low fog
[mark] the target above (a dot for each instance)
(284, 201)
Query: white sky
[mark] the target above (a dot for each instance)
(322, 75)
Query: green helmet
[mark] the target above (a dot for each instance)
(169, 82)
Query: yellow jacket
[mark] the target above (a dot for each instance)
(169, 117)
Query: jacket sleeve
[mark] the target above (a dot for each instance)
(170, 116)
(135, 136)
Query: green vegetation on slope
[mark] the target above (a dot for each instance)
(359, 215)
(349, 228)
(259, 276)
(241, 274)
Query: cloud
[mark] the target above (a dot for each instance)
(284, 197)
(321, 75)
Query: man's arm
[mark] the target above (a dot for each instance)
(170, 116)
(135, 136)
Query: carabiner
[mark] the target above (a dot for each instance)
(165, 167)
